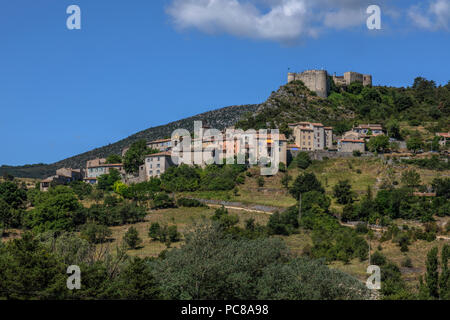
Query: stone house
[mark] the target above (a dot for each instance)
(350, 145)
(312, 136)
(63, 176)
(155, 165)
(97, 167)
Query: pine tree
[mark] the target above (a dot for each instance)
(132, 239)
(444, 281)
(432, 275)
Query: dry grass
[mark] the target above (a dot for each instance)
(183, 218)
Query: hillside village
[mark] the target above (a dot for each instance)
(352, 188)
(307, 136)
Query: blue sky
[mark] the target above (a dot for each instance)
(138, 64)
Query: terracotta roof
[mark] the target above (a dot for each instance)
(328, 128)
(317, 124)
(293, 146)
(443, 134)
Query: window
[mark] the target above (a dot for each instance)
(151, 172)
(158, 172)
(158, 166)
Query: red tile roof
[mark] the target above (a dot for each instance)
(443, 134)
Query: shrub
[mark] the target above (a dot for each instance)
(154, 231)
(407, 263)
(303, 161)
(260, 181)
(186, 202)
(95, 233)
(378, 259)
(362, 228)
(132, 238)
(162, 201)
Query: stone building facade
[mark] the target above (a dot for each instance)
(310, 136)
(319, 81)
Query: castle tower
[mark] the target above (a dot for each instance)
(367, 80)
(314, 80)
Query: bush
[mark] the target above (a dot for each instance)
(164, 234)
(162, 201)
(131, 238)
(303, 161)
(95, 233)
(407, 263)
(283, 223)
(362, 228)
(260, 181)
(343, 192)
(378, 259)
(357, 153)
(189, 203)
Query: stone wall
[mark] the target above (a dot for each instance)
(314, 80)
(321, 154)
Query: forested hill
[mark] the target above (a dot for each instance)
(219, 119)
(422, 104)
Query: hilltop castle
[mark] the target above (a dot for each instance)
(319, 81)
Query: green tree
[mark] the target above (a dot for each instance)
(154, 231)
(106, 181)
(303, 160)
(5, 216)
(414, 143)
(60, 211)
(305, 183)
(31, 271)
(95, 233)
(432, 274)
(132, 238)
(393, 129)
(260, 181)
(411, 178)
(14, 195)
(135, 156)
(114, 159)
(285, 180)
(81, 189)
(213, 266)
(343, 192)
(378, 143)
(442, 187)
(444, 280)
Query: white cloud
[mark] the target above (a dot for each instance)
(285, 20)
(293, 20)
(433, 17)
